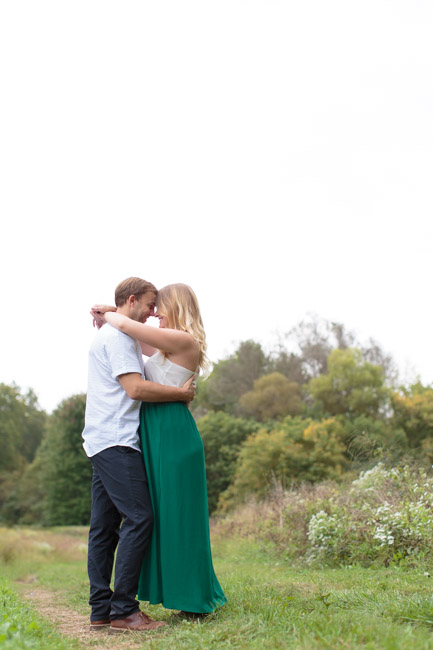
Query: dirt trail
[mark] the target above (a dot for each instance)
(75, 625)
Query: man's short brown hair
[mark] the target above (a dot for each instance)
(132, 287)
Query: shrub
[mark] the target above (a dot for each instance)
(387, 513)
(273, 396)
(352, 386)
(295, 451)
(383, 516)
(222, 436)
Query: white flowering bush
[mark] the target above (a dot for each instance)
(372, 478)
(383, 516)
(324, 535)
(386, 514)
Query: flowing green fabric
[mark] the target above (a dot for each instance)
(177, 569)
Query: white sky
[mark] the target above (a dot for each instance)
(275, 155)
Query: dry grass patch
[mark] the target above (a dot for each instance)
(42, 544)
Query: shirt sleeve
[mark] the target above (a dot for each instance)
(122, 355)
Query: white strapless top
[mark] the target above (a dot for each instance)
(163, 371)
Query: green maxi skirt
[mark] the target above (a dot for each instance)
(177, 569)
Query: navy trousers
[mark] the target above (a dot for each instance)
(121, 518)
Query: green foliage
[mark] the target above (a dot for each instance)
(413, 412)
(25, 501)
(231, 378)
(65, 471)
(21, 429)
(351, 386)
(367, 437)
(21, 426)
(273, 396)
(222, 436)
(55, 488)
(295, 450)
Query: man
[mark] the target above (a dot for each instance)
(119, 486)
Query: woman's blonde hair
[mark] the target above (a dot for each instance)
(179, 304)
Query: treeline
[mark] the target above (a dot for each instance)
(319, 405)
(51, 484)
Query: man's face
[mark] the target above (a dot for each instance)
(144, 306)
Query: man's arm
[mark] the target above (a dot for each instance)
(148, 391)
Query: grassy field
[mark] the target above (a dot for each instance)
(44, 595)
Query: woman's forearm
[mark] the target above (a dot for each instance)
(119, 321)
(166, 339)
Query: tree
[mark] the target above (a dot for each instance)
(67, 471)
(231, 378)
(287, 363)
(312, 341)
(25, 495)
(222, 436)
(373, 353)
(351, 386)
(10, 434)
(273, 396)
(21, 426)
(296, 450)
(413, 412)
(316, 338)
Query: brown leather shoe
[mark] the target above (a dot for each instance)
(137, 622)
(97, 626)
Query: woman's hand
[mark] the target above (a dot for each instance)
(97, 320)
(98, 312)
(101, 309)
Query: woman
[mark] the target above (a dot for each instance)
(177, 569)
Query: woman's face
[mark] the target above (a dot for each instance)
(163, 320)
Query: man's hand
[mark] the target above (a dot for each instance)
(188, 390)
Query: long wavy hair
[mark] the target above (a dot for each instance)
(179, 304)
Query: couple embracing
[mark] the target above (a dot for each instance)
(149, 497)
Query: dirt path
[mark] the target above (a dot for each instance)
(75, 625)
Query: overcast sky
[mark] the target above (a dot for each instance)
(275, 155)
